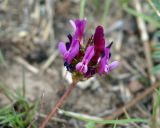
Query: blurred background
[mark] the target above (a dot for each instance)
(31, 69)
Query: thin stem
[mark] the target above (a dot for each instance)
(23, 82)
(82, 6)
(98, 120)
(58, 105)
(154, 7)
(106, 11)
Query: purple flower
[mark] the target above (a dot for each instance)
(111, 66)
(103, 63)
(83, 65)
(79, 28)
(71, 49)
(85, 61)
(68, 55)
(99, 43)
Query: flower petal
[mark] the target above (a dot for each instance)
(107, 53)
(103, 61)
(73, 24)
(62, 48)
(113, 65)
(99, 42)
(102, 65)
(88, 54)
(73, 51)
(80, 28)
(81, 67)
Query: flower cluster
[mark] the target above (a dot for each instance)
(85, 61)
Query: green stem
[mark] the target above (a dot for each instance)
(82, 6)
(88, 118)
(106, 10)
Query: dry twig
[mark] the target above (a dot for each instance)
(133, 102)
(26, 65)
(145, 39)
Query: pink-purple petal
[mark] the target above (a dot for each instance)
(80, 28)
(103, 61)
(81, 67)
(113, 65)
(62, 48)
(88, 54)
(107, 51)
(102, 64)
(73, 51)
(73, 24)
(106, 70)
(110, 67)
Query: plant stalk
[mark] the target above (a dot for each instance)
(58, 105)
